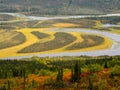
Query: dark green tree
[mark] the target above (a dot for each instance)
(90, 83)
(76, 72)
(60, 75)
(106, 64)
(59, 83)
(9, 85)
(24, 77)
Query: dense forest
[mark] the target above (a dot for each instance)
(66, 73)
(55, 7)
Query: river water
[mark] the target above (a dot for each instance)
(115, 50)
(57, 17)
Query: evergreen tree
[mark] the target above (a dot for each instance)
(106, 64)
(9, 85)
(76, 71)
(60, 75)
(24, 76)
(90, 83)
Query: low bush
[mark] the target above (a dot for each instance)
(115, 70)
(44, 72)
(94, 67)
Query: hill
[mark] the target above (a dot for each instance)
(59, 7)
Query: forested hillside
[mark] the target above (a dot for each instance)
(57, 7)
(61, 73)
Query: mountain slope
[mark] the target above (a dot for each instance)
(60, 6)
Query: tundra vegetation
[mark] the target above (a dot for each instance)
(66, 73)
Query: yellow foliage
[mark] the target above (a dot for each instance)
(60, 25)
(105, 45)
(98, 24)
(31, 39)
(117, 31)
(118, 22)
(78, 39)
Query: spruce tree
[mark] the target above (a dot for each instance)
(60, 75)
(24, 77)
(90, 83)
(106, 64)
(76, 71)
(9, 85)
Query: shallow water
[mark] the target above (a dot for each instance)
(58, 17)
(110, 25)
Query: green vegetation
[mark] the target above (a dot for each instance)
(89, 41)
(115, 71)
(57, 73)
(40, 35)
(61, 39)
(76, 72)
(62, 7)
(81, 72)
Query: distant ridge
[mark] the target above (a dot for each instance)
(60, 7)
